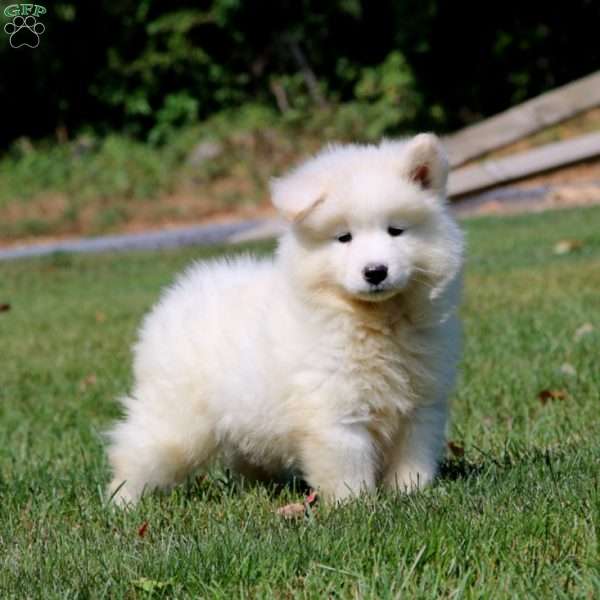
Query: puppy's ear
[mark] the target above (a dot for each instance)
(425, 163)
(294, 197)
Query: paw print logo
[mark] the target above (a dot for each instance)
(24, 31)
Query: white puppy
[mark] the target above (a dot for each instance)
(334, 359)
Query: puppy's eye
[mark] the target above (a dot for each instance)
(344, 238)
(395, 231)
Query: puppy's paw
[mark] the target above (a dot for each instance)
(410, 478)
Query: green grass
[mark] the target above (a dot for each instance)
(517, 517)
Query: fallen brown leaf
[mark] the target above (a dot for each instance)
(4, 307)
(456, 449)
(311, 498)
(291, 511)
(143, 529)
(566, 246)
(88, 381)
(297, 509)
(546, 395)
(100, 317)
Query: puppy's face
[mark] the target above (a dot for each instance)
(375, 222)
(370, 254)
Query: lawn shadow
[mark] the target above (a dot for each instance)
(455, 469)
(216, 484)
(211, 487)
(459, 468)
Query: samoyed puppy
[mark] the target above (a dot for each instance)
(334, 359)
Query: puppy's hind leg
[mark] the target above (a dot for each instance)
(149, 451)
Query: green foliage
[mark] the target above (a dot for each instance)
(123, 168)
(115, 166)
(386, 97)
(27, 170)
(145, 68)
(180, 110)
(94, 184)
(518, 516)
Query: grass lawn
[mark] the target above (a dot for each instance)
(518, 516)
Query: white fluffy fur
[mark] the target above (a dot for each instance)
(297, 362)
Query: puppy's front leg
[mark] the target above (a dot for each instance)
(413, 460)
(339, 461)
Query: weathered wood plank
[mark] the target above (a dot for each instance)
(527, 118)
(493, 172)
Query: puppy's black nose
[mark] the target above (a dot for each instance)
(375, 274)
